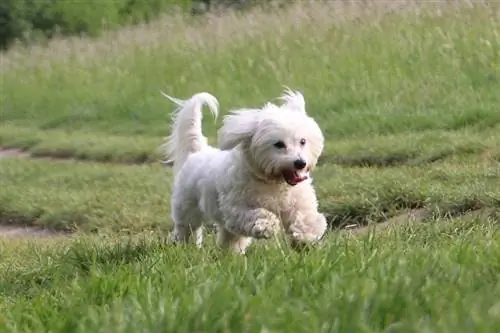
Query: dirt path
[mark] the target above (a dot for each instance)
(11, 231)
(410, 216)
(418, 216)
(12, 152)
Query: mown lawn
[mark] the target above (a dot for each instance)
(407, 95)
(110, 199)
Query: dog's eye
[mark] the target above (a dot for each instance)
(280, 145)
(302, 142)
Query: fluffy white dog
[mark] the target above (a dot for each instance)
(257, 183)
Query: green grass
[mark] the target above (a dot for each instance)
(441, 277)
(363, 73)
(93, 197)
(408, 101)
(379, 150)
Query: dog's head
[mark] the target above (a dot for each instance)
(279, 142)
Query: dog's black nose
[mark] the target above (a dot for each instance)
(299, 164)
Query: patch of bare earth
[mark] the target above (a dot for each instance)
(65, 156)
(19, 153)
(12, 152)
(415, 216)
(11, 231)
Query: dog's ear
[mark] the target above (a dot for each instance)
(293, 101)
(237, 128)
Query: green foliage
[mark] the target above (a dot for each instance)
(28, 20)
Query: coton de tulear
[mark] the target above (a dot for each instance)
(256, 184)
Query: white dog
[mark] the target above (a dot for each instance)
(256, 184)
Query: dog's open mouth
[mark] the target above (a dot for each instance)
(294, 177)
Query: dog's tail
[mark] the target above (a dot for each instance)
(187, 136)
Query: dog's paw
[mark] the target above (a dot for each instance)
(265, 228)
(308, 230)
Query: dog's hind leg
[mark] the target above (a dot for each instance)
(227, 239)
(187, 220)
(199, 236)
(182, 233)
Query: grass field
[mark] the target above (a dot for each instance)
(407, 95)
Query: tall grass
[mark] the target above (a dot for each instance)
(437, 278)
(365, 68)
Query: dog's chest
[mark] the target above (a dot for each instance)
(274, 198)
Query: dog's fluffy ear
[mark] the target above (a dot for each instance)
(237, 128)
(293, 101)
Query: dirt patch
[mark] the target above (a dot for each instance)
(61, 155)
(12, 152)
(413, 215)
(8, 231)
(396, 159)
(419, 215)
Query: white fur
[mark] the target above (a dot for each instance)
(240, 187)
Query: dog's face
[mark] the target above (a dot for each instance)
(282, 143)
(286, 145)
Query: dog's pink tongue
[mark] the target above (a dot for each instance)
(293, 177)
(299, 178)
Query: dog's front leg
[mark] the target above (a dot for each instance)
(256, 223)
(304, 224)
(306, 228)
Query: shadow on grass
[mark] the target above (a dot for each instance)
(69, 154)
(58, 223)
(396, 158)
(82, 258)
(125, 154)
(392, 160)
(340, 216)
(79, 259)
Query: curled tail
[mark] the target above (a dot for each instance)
(187, 136)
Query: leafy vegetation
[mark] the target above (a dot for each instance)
(28, 20)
